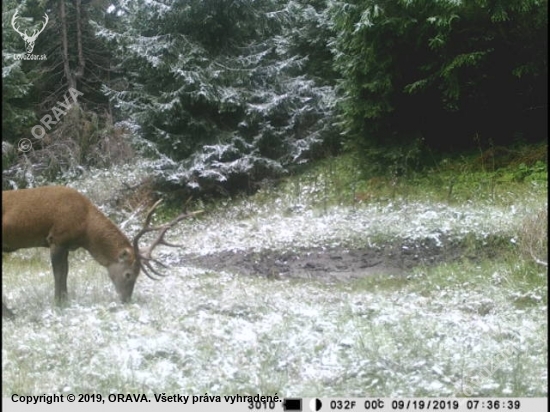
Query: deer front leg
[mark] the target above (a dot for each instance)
(60, 264)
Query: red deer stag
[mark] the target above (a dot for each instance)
(62, 219)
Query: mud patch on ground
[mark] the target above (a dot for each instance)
(331, 264)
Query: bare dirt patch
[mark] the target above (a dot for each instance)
(331, 263)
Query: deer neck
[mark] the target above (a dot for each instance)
(105, 240)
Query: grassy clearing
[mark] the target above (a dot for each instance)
(479, 178)
(471, 327)
(438, 332)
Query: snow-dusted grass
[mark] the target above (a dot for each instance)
(462, 328)
(363, 226)
(198, 332)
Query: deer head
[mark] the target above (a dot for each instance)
(29, 40)
(130, 261)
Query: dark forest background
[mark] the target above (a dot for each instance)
(227, 93)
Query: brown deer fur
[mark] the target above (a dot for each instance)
(62, 219)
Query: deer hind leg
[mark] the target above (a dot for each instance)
(60, 264)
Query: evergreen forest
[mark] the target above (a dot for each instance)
(227, 94)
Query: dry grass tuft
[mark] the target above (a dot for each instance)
(534, 237)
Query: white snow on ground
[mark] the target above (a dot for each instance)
(345, 225)
(196, 332)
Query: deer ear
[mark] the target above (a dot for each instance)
(125, 255)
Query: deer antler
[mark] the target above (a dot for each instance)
(145, 255)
